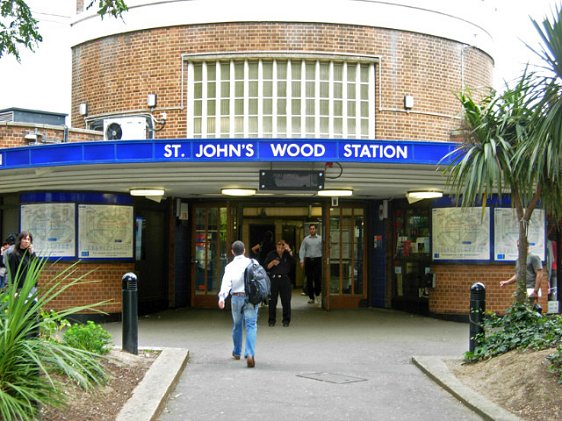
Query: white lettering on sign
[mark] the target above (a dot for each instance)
(375, 151)
(173, 151)
(305, 150)
(245, 150)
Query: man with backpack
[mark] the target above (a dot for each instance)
(243, 311)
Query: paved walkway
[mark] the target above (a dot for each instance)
(339, 365)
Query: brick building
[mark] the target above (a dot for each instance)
(284, 101)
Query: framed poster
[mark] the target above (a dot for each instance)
(506, 233)
(461, 233)
(105, 231)
(53, 227)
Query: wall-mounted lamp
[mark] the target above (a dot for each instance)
(408, 102)
(151, 100)
(335, 192)
(33, 136)
(238, 192)
(83, 109)
(416, 196)
(146, 192)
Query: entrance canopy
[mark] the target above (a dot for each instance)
(201, 167)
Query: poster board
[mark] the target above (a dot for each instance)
(105, 231)
(53, 227)
(506, 233)
(461, 234)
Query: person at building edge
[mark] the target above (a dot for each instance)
(533, 277)
(278, 264)
(310, 255)
(244, 314)
(20, 257)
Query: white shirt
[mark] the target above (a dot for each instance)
(311, 247)
(233, 278)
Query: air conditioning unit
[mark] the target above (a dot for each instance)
(124, 128)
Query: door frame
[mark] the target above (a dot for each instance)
(340, 301)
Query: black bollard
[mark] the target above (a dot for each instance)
(130, 313)
(477, 309)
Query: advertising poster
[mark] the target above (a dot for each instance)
(461, 233)
(53, 227)
(105, 231)
(507, 232)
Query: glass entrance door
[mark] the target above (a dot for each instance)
(210, 253)
(347, 254)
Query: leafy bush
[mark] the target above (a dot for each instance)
(52, 326)
(90, 336)
(556, 362)
(29, 355)
(520, 328)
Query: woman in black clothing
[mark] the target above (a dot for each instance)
(20, 257)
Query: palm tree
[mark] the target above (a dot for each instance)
(513, 143)
(483, 164)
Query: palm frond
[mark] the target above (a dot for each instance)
(29, 361)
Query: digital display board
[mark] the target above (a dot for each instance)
(294, 180)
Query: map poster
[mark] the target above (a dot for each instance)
(105, 231)
(53, 227)
(506, 233)
(461, 233)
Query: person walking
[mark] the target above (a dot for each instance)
(244, 313)
(310, 254)
(278, 264)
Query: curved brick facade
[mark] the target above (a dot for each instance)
(115, 73)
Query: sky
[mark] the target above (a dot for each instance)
(42, 79)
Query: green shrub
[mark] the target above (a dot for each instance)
(29, 355)
(90, 336)
(520, 328)
(556, 362)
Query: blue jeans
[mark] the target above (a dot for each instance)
(243, 312)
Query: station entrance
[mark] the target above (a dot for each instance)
(343, 229)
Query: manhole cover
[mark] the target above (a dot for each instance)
(331, 378)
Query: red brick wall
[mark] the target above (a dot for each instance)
(452, 292)
(114, 74)
(104, 284)
(12, 135)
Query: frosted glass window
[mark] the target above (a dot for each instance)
(281, 98)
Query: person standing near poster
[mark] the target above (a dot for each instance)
(310, 255)
(533, 278)
(18, 259)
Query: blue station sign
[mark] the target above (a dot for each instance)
(231, 150)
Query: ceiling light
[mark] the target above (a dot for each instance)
(335, 192)
(238, 192)
(415, 196)
(147, 192)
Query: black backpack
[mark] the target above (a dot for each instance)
(257, 285)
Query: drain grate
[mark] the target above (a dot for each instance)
(331, 378)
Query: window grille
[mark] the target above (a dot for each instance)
(285, 98)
